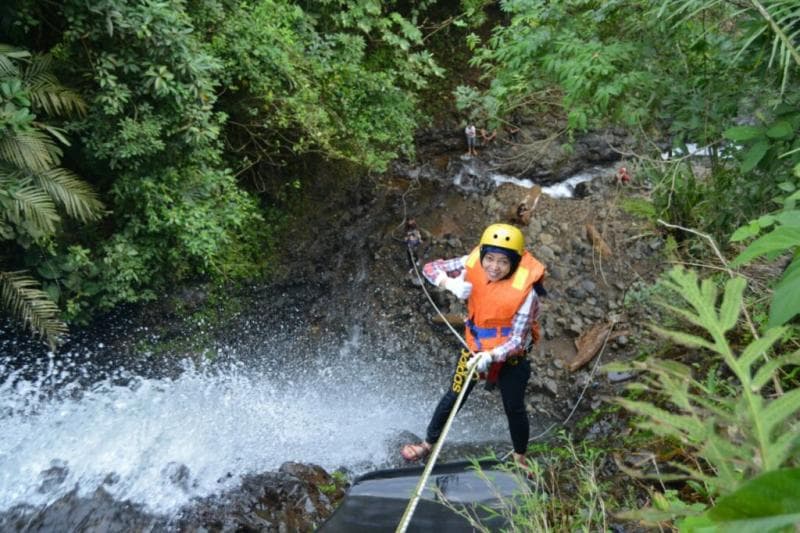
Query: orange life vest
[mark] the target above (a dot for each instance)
(491, 306)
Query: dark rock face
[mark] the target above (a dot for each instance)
(531, 154)
(95, 513)
(297, 497)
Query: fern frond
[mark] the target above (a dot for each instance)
(739, 434)
(785, 445)
(777, 413)
(766, 372)
(29, 150)
(686, 339)
(26, 302)
(759, 347)
(75, 195)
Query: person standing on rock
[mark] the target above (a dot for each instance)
(472, 135)
(499, 279)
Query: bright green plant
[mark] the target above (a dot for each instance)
(737, 434)
(559, 490)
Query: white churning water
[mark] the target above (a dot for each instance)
(163, 441)
(562, 189)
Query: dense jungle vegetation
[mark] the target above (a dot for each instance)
(147, 143)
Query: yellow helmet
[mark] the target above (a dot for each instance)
(504, 236)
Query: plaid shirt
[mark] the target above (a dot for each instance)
(523, 319)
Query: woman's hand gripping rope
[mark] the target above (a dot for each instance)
(480, 361)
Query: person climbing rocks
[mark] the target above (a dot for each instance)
(622, 176)
(501, 282)
(487, 137)
(471, 134)
(413, 239)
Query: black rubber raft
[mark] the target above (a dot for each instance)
(377, 501)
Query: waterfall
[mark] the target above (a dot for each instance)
(161, 440)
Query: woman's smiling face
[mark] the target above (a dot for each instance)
(496, 265)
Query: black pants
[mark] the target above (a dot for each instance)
(513, 378)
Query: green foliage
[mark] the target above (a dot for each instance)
(185, 99)
(768, 147)
(559, 490)
(738, 432)
(33, 187)
(178, 211)
(607, 62)
(767, 503)
(339, 81)
(639, 207)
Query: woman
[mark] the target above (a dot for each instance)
(500, 280)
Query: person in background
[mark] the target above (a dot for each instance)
(471, 134)
(487, 137)
(500, 281)
(413, 239)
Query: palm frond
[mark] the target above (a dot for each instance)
(32, 150)
(75, 195)
(21, 296)
(13, 51)
(7, 53)
(782, 16)
(47, 93)
(30, 204)
(7, 68)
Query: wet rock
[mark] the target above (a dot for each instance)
(96, 513)
(546, 238)
(178, 474)
(550, 386)
(545, 253)
(618, 377)
(54, 476)
(582, 379)
(600, 430)
(555, 272)
(295, 498)
(582, 190)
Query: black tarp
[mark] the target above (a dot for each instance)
(376, 501)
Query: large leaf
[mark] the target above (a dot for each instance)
(754, 155)
(781, 238)
(766, 503)
(786, 299)
(743, 133)
(780, 130)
